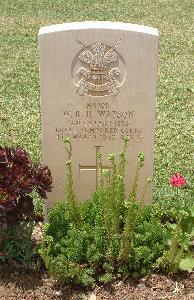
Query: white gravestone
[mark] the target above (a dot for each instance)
(98, 84)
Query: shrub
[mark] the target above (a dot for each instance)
(19, 247)
(110, 235)
(19, 177)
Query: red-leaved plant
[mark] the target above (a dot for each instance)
(19, 177)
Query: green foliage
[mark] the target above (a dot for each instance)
(178, 242)
(110, 235)
(17, 245)
(187, 264)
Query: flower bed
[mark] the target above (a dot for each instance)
(107, 238)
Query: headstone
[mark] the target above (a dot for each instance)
(98, 84)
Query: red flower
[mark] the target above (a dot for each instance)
(177, 180)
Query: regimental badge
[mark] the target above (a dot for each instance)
(98, 72)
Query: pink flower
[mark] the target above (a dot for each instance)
(177, 180)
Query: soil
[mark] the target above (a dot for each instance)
(20, 283)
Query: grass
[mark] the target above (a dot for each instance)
(20, 21)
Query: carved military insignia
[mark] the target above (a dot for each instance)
(98, 72)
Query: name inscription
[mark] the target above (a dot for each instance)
(98, 122)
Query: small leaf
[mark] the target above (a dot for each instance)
(192, 231)
(169, 242)
(172, 226)
(192, 211)
(187, 264)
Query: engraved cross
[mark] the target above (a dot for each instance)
(95, 168)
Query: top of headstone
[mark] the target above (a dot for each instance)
(98, 25)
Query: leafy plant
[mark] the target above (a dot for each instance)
(187, 264)
(19, 177)
(178, 253)
(113, 235)
(19, 180)
(180, 233)
(19, 246)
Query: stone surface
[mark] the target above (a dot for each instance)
(98, 83)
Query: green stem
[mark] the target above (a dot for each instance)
(177, 192)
